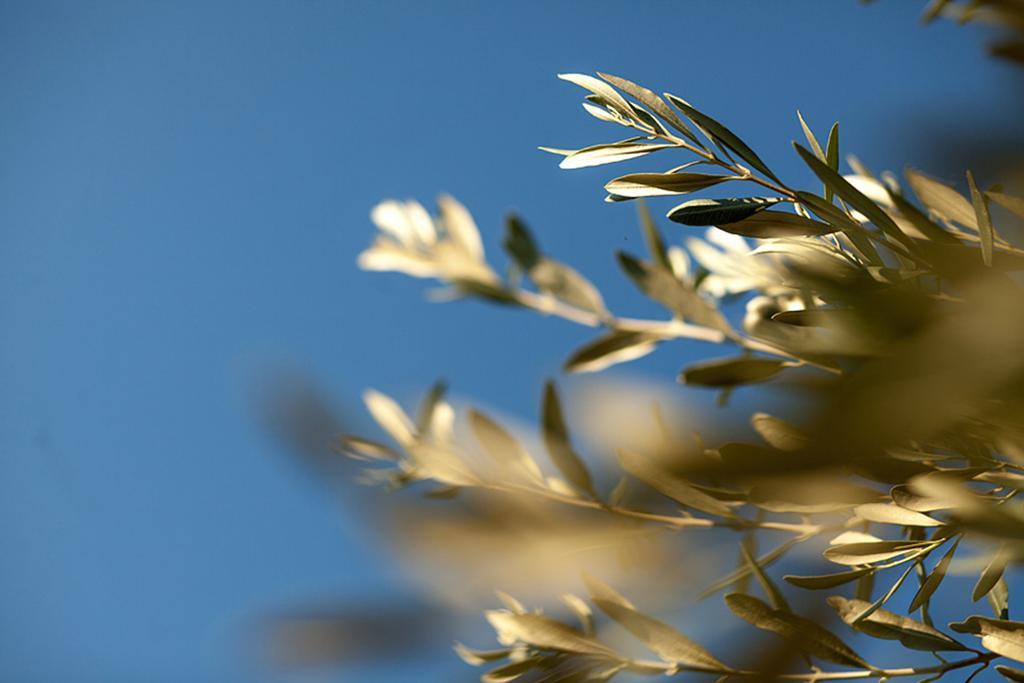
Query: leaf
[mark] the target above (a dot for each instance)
(662, 286)
(430, 402)
(598, 155)
(778, 433)
(510, 671)
(715, 211)
(931, 584)
(649, 99)
(615, 347)
(565, 284)
(891, 626)
(853, 196)
(824, 581)
(664, 640)
(887, 513)
(1013, 204)
(556, 440)
(730, 372)
(768, 224)
(866, 553)
(503, 447)
(461, 227)
(661, 184)
(519, 244)
(604, 91)
(365, 448)
(478, 657)
(990, 576)
(985, 230)
(666, 482)
(544, 632)
(655, 243)
(722, 134)
(767, 585)
(390, 416)
(581, 610)
(942, 199)
(804, 634)
(832, 155)
(811, 140)
(1009, 673)
(599, 590)
(1001, 636)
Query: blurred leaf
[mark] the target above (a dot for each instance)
(663, 480)
(778, 433)
(541, 631)
(730, 372)
(885, 513)
(662, 286)
(1012, 204)
(985, 230)
(942, 199)
(390, 417)
(503, 447)
(519, 244)
(556, 439)
(824, 581)
(664, 640)
(565, 284)
(615, 347)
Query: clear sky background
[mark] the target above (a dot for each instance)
(184, 188)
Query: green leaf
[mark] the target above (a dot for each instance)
(722, 135)
(768, 224)
(649, 99)
(931, 584)
(615, 347)
(803, 634)
(811, 140)
(662, 286)
(664, 640)
(824, 581)
(670, 484)
(661, 184)
(853, 196)
(730, 372)
(1001, 636)
(1009, 673)
(716, 211)
(519, 244)
(891, 626)
(556, 440)
(985, 230)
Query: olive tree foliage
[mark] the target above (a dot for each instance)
(893, 304)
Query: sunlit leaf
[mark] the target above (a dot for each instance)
(661, 184)
(891, 626)
(556, 439)
(1001, 636)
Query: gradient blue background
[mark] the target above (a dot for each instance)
(184, 188)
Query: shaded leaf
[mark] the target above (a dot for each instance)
(985, 230)
(615, 347)
(1001, 636)
(730, 372)
(502, 446)
(886, 513)
(768, 224)
(824, 581)
(716, 211)
(778, 433)
(556, 439)
(804, 634)
(931, 584)
(666, 482)
(662, 286)
(565, 284)
(519, 244)
(890, 626)
(942, 199)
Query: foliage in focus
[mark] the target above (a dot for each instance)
(892, 306)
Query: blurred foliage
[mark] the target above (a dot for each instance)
(892, 307)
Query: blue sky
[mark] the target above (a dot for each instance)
(184, 188)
